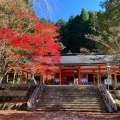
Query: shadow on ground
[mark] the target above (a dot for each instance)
(57, 115)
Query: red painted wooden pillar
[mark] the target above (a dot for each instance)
(99, 75)
(119, 74)
(94, 77)
(63, 77)
(79, 75)
(21, 78)
(62, 81)
(60, 76)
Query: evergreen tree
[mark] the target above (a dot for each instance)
(63, 38)
(47, 21)
(72, 33)
(108, 28)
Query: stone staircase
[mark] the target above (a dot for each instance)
(84, 98)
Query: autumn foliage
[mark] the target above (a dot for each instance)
(36, 46)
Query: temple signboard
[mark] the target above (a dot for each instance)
(108, 81)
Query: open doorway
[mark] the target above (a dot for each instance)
(90, 79)
(69, 80)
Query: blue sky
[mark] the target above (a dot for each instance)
(65, 8)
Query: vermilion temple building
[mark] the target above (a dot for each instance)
(91, 69)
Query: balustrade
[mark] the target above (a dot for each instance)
(32, 102)
(109, 101)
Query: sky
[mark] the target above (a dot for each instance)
(64, 8)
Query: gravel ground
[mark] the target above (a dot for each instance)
(57, 115)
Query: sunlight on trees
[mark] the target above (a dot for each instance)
(108, 28)
(23, 38)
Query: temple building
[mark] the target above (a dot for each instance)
(91, 69)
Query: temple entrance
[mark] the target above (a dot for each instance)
(68, 77)
(90, 79)
(69, 80)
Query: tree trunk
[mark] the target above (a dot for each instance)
(32, 80)
(14, 76)
(4, 79)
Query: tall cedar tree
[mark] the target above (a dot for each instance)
(72, 33)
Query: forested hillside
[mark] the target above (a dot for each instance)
(72, 32)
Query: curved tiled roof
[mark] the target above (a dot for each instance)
(86, 59)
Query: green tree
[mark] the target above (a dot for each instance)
(47, 21)
(71, 19)
(72, 33)
(108, 28)
(85, 27)
(63, 31)
(84, 15)
(11, 12)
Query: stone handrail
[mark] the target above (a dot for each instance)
(108, 99)
(33, 100)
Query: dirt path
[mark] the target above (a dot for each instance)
(59, 115)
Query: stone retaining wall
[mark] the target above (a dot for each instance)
(6, 93)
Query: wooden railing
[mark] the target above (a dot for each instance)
(33, 100)
(108, 99)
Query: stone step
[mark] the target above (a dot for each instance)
(70, 103)
(70, 98)
(71, 109)
(72, 106)
(66, 86)
(71, 93)
(76, 98)
(69, 90)
(52, 90)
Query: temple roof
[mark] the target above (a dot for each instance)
(86, 59)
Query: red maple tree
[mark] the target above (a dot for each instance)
(40, 47)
